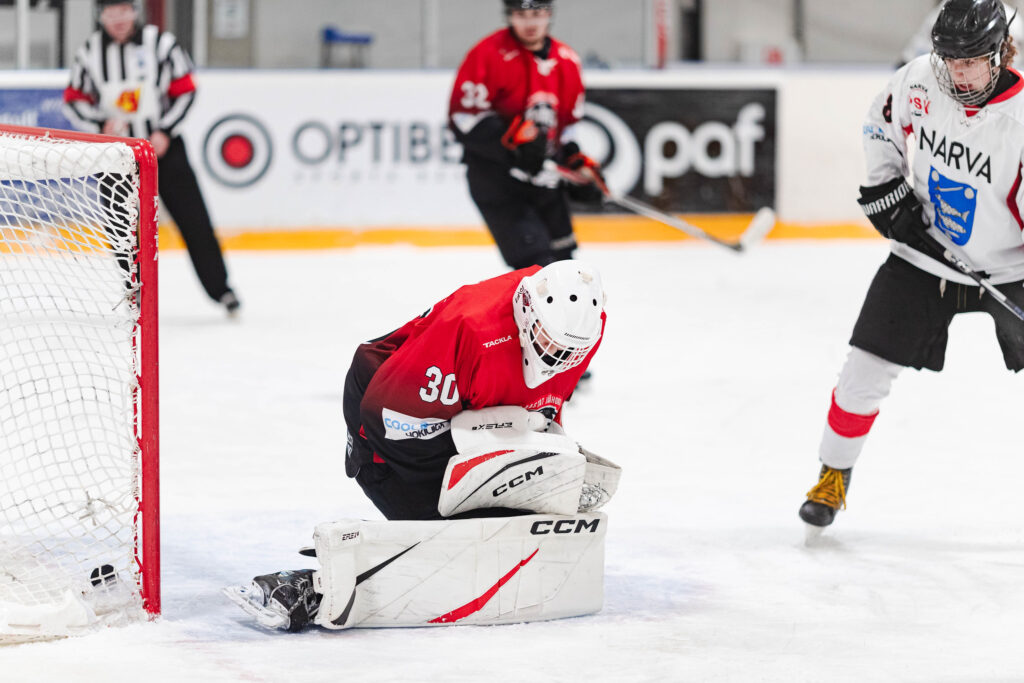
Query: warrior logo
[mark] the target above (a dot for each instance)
(955, 204)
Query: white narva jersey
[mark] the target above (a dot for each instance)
(967, 168)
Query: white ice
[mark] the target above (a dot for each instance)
(711, 390)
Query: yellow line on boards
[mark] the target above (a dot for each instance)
(589, 229)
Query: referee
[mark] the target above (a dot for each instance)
(134, 80)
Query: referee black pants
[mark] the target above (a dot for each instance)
(180, 192)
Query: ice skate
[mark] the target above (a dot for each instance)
(230, 303)
(826, 499)
(285, 600)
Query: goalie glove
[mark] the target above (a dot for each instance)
(511, 457)
(497, 427)
(600, 481)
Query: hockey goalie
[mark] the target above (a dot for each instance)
(455, 435)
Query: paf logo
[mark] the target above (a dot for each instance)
(128, 101)
(684, 149)
(237, 150)
(918, 100)
(955, 205)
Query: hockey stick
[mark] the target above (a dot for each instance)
(759, 227)
(940, 246)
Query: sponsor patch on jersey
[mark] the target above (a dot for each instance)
(955, 203)
(874, 132)
(495, 342)
(918, 100)
(398, 426)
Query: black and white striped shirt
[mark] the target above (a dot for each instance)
(145, 83)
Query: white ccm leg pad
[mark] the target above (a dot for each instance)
(497, 570)
(517, 478)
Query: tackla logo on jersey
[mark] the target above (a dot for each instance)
(955, 203)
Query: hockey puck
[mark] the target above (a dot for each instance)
(103, 574)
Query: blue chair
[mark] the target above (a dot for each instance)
(353, 48)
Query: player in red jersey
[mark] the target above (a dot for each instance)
(516, 98)
(520, 339)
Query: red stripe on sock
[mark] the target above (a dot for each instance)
(847, 424)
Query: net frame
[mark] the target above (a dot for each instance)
(145, 348)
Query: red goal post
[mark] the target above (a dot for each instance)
(79, 421)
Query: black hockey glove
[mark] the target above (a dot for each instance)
(570, 157)
(895, 211)
(528, 144)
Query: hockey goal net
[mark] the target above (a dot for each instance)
(79, 534)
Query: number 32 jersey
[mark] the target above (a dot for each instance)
(501, 77)
(966, 164)
(462, 354)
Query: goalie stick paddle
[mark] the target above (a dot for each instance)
(946, 250)
(759, 227)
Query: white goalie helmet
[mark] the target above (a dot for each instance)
(558, 313)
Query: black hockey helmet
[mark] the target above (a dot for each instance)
(970, 28)
(511, 5)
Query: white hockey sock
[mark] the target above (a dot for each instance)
(863, 384)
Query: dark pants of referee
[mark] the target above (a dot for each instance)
(180, 192)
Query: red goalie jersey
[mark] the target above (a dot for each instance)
(499, 76)
(462, 354)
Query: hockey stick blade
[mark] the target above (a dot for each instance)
(760, 226)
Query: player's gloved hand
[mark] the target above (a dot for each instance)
(895, 211)
(528, 144)
(572, 158)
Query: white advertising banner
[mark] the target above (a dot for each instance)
(348, 150)
(327, 149)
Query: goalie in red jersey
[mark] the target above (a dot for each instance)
(456, 416)
(519, 341)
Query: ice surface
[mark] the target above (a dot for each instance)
(711, 390)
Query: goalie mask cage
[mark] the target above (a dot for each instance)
(79, 497)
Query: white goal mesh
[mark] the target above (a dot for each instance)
(78, 524)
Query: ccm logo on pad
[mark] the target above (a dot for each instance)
(517, 480)
(564, 526)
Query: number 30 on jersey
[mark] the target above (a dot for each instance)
(440, 386)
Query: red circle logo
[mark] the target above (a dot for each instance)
(237, 151)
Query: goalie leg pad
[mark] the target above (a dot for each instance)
(470, 571)
(517, 478)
